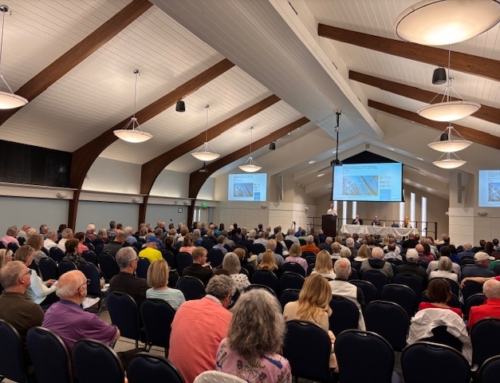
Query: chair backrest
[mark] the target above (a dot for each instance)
(96, 362)
(455, 288)
(378, 279)
(169, 257)
(423, 264)
(471, 288)
(345, 314)
(49, 355)
(485, 337)
(56, 254)
(12, 246)
(441, 335)
(410, 280)
(11, 355)
(308, 253)
(294, 267)
(257, 286)
(288, 243)
(48, 269)
(474, 300)
(108, 264)
(289, 295)
(308, 347)
(148, 368)
(217, 376)
(191, 287)
(142, 268)
(266, 278)
(302, 242)
(183, 260)
(389, 320)
(490, 370)
(44, 250)
(352, 346)
(432, 363)
(354, 274)
(453, 302)
(90, 256)
(215, 257)
(157, 316)
(291, 280)
(124, 314)
(258, 248)
(369, 290)
(65, 266)
(402, 295)
(92, 273)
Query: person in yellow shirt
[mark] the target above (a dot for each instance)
(150, 252)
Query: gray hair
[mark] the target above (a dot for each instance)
(252, 234)
(220, 286)
(69, 283)
(257, 327)
(444, 264)
(90, 227)
(231, 263)
(412, 256)
(342, 268)
(345, 252)
(51, 233)
(128, 230)
(377, 252)
(349, 242)
(196, 234)
(491, 289)
(12, 231)
(10, 273)
(309, 239)
(124, 256)
(329, 240)
(66, 232)
(31, 231)
(271, 245)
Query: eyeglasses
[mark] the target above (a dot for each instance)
(26, 273)
(134, 260)
(86, 283)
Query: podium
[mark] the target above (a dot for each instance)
(329, 225)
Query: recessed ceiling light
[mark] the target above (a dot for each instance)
(321, 174)
(391, 149)
(311, 162)
(419, 158)
(422, 173)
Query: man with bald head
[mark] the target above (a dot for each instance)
(67, 318)
(377, 263)
(491, 307)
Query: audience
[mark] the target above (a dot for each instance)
(444, 270)
(271, 246)
(199, 327)
(341, 286)
(72, 254)
(324, 265)
(115, 245)
(51, 240)
(66, 234)
(480, 266)
(251, 350)
(5, 257)
(157, 278)
(231, 263)
(268, 262)
(491, 307)
(377, 263)
(10, 236)
(150, 252)
(411, 267)
(199, 268)
(310, 245)
(36, 242)
(294, 255)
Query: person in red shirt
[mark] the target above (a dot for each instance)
(491, 307)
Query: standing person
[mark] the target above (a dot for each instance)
(254, 341)
(199, 326)
(331, 210)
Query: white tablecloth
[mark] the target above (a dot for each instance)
(380, 230)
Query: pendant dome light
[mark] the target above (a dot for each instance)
(205, 152)
(250, 166)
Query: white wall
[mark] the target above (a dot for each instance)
(101, 213)
(171, 184)
(207, 191)
(113, 176)
(169, 214)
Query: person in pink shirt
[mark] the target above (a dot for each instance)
(254, 339)
(10, 236)
(81, 239)
(198, 328)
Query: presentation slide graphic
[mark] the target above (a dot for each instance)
(381, 182)
(489, 188)
(247, 187)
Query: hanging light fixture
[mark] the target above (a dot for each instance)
(444, 22)
(135, 134)
(205, 152)
(445, 143)
(446, 110)
(450, 161)
(8, 100)
(250, 166)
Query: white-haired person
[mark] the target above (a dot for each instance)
(231, 263)
(254, 340)
(157, 278)
(445, 270)
(6, 256)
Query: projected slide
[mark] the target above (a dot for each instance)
(368, 182)
(247, 187)
(489, 188)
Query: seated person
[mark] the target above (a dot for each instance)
(157, 278)
(199, 268)
(439, 293)
(376, 262)
(72, 252)
(444, 270)
(491, 307)
(357, 221)
(376, 221)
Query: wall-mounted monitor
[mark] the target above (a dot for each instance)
(376, 182)
(247, 187)
(489, 188)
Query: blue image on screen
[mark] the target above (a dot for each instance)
(256, 196)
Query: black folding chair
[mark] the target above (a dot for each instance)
(157, 316)
(345, 314)
(48, 269)
(191, 287)
(124, 314)
(96, 362)
(389, 320)
(11, 355)
(148, 368)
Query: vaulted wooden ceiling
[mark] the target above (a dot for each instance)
(74, 61)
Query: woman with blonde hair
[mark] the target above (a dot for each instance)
(313, 306)
(295, 256)
(39, 291)
(364, 252)
(279, 239)
(254, 341)
(268, 262)
(187, 244)
(5, 257)
(36, 242)
(324, 265)
(102, 234)
(231, 263)
(157, 278)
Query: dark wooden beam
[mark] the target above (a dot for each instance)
(152, 169)
(84, 157)
(197, 179)
(463, 62)
(473, 135)
(486, 113)
(48, 76)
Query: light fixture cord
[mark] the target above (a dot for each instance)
(449, 78)
(206, 127)
(136, 72)
(1, 49)
(251, 129)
